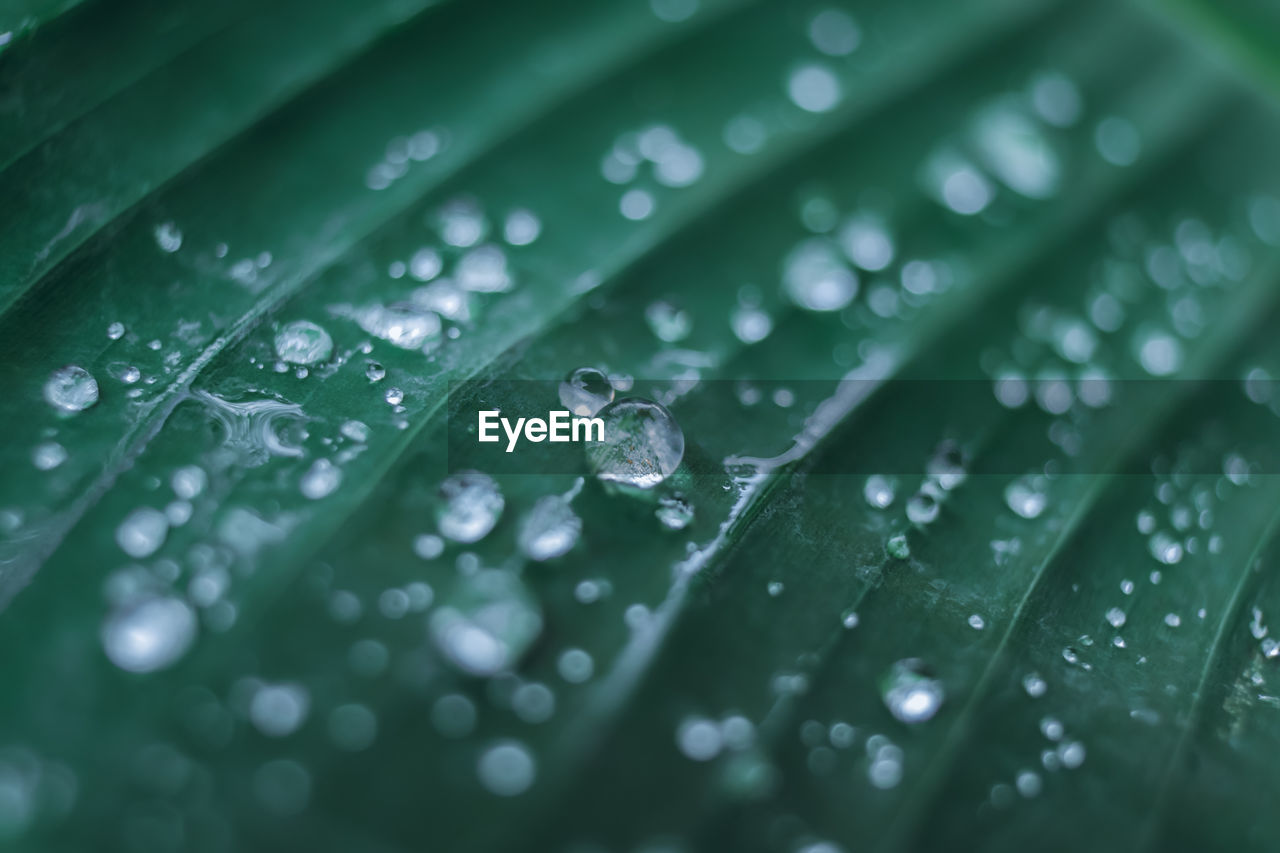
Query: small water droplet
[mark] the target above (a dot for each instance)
(48, 455)
(394, 396)
(142, 532)
(168, 237)
(910, 691)
(277, 710)
(816, 277)
(675, 513)
(550, 530)
(668, 321)
(814, 88)
(115, 331)
(879, 491)
(1026, 496)
(1034, 684)
(586, 391)
(699, 739)
(320, 480)
(897, 547)
(922, 508)
(507, 768)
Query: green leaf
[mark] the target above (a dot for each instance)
(1028, 461)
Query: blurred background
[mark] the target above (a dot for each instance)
(941, 335)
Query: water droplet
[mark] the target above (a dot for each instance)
(375, 372)
(1118, 141)
(1026, 496)
(487, 624)
(867, 243)
(575, 666)
(699, 739)
(352, 727)
(1165, 548)
(1034, 685)
(834, 33)
(483, 270)
(303, 342)
(507, 768)
(71, 389)
(668, 321)
(897, 547)
(115, 331)
(976, 622)
(521, 228)
(48, 455)
(922, 508)
(958, 184)
(879, 491)
(1028, 783)
(148, 635)
(454, 715)
(911, 693)
(403, 325)
(394, 396)
(750, 324)
(188, 481)
(1013, 147)
(586, 391)
(814, 88)
(277, 710)
(1056, 99)
(636, 204)
(775, 589)
(1159, 353)
(816, 277)
(320, 480)
(283, 787)
(643, 444)
(849, 619)
(168, 237)
(1116, 617)
(142, 532)
(471, 506)
(550, 529)
(675, 513)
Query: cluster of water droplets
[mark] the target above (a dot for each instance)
(646, 158)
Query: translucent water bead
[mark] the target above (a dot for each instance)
(642, 446)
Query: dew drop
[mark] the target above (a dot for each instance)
(816, 277)
(168, 237)
(303, 342)
(699, 739)
(149, 635)
(320, 480)
(897, 547)
(879, 491)
(922, 508)
(1026, 497)
(507, 768)
(814, 88)
(487, 623)
(277, 710)
(71, 389)
(471, 504)
(674, 513)
(910, 691)
(115, 331)
(550, 530)
(1034, 684)
(586, 391)
(668, 321)
(642, 446)
(48, 455)
(142, 532)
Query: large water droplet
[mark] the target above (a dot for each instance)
(149, 635)
(642, 446)
(487, 624)
(303, 342)
(586, 391)
(910, 691)
(320, 480)
(71, 389)
(472, 504)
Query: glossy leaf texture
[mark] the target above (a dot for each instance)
(965, 312)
